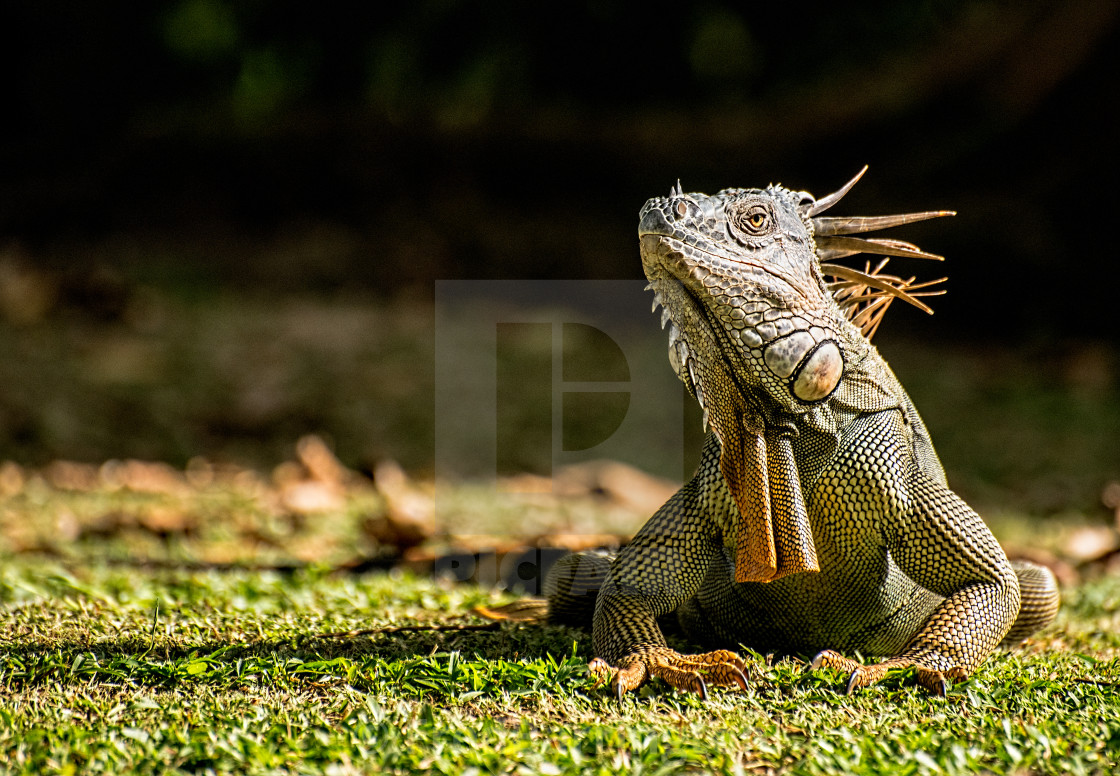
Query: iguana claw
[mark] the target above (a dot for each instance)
(934, 680)
(701, 688)
(691, 673)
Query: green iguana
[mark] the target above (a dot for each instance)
(819, 520)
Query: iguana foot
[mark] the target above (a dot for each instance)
(691, 673)
(934, 680)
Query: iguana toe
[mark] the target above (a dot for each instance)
(860, 676)
(691, 673)
(939, 682)
(829, 659)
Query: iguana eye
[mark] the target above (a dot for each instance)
(755, 218)
(750, 218)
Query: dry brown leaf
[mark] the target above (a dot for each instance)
(12, 479)
(1091, 543)
(143, 477)
(321, 463)
(71, 475)
(409, 516)
(390, 531)
(311, 496)
(620, 483)
(168, 521)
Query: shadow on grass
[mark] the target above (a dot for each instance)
(309, 657)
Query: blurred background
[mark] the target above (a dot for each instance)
(221, 221)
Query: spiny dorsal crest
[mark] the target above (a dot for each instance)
(864, 295)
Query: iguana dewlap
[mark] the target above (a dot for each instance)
(819, 520)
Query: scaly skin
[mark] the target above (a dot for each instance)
(819, 521)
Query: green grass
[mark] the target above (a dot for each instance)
(118, 671)
(142, 632)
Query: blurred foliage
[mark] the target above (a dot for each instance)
(201, 30)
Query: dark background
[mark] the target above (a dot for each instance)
(200, 150)
(441, 139)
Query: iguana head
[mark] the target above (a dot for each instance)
(741, 284)
(762, 331)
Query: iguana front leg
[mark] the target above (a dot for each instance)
(653, 575)
(937, 541)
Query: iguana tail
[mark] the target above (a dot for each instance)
(570, 589)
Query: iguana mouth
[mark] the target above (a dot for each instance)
(791, 285)
(726, 343)
(682, 354)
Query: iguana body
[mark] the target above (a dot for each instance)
(820, 520)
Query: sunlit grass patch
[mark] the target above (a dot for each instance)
(105, 669)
